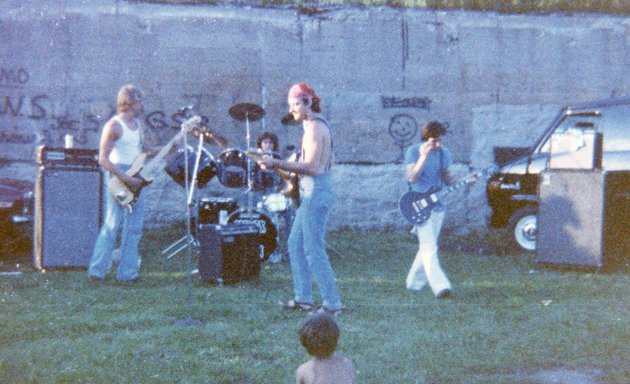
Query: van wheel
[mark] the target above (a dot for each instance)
(523, 228)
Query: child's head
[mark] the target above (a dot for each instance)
(319, 335)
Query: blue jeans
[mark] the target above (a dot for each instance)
(129, 224)
(307, 246)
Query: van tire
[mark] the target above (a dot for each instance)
(523, 226)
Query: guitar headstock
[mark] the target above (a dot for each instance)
(191, 123)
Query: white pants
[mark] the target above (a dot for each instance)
(426, 266)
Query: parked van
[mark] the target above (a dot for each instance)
(571, 141)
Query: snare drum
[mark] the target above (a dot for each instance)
(275, 202)
(233, 168)
(212, 209)
(267, 236)
(205, 172)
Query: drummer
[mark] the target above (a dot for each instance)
(270, 182)
(267, 181)
(267, 143)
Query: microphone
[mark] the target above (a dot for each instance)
(185, 108)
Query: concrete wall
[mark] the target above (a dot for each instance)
(493, 79)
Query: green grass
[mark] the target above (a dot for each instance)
(507, 318)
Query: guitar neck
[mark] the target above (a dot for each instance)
(284, 174)
(451, 188)
(150, 167)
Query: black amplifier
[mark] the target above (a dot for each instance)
(74, 158)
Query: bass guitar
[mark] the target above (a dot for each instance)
(416, 206)
(291, 187)
(121, 192)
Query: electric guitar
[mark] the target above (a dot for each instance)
(416, 206)
(291, 187)
(121, 192)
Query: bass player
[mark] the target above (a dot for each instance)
(122, 141)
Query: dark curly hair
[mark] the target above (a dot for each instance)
(432, 129)
(319, 335)
(268, 135)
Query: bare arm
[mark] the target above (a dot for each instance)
(112, 133)
(414, 170)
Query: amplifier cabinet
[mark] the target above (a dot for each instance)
(68, 211)
(227, 258)
(582, 217)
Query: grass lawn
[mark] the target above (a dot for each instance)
(508, 320)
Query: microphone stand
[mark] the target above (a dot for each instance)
(191, 243)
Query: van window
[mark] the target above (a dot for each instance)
(615, 127)
(573, 125)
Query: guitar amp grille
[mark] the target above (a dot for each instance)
(68, 208)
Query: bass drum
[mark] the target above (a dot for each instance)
(267, 236)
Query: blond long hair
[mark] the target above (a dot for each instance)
(127, 96)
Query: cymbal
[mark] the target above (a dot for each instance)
(246, 111)
(209, 136)
(288, 120)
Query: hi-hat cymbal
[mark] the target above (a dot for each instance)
(246, 111)
(288, 120)
(209, 136)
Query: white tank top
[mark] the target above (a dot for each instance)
(128, 146)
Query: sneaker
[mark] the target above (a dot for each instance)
(444, 294)
(294, 305)
(275, 258)
(328, 311)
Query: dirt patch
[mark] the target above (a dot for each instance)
(551, 376)
(565, 376)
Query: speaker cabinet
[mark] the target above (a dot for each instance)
(582, 216)
(227, 259)
(68, 215)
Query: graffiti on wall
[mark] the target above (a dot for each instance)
(19, 106)
(403, 127)
(31, 118)
(406, 102)
(13, 78)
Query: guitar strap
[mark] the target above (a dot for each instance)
(441, 168)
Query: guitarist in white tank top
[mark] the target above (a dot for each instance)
(128, 146)
(121, 142)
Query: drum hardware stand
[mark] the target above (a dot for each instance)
(247, 112)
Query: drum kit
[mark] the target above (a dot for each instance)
(234, 169)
